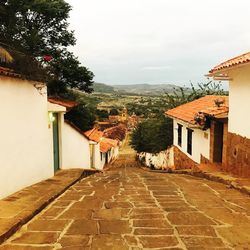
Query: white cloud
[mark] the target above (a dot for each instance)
(157, 68)
(116, 39)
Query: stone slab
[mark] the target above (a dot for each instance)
(19, 208)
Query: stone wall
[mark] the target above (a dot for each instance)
(182, 161)
(238, 155)
(204, 160)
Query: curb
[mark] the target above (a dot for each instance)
(204, 175)
(15, 227)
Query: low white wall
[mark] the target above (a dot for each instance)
(75, 149)
(26, 151)
(200, 141)
(239, 101)
(161, 160)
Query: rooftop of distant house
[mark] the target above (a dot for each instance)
(106, 144)
(211, 105)
(94, 134)
(231, 63)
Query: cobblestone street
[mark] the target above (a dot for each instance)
(129, 208)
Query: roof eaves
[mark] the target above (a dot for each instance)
(236, 62)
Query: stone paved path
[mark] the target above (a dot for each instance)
(129, 208)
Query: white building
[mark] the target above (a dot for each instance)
(26, 154)
(109, 149)
(35, 140)
(225, 143)
(198, 131)
(76, 149)
(237, 72)
(70, 146)
(105, 149)
(97, 158)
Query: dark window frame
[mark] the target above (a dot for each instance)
(179, 131)
(189, 141)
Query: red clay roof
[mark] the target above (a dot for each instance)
(106, 144)
(94, 134)
(8, 72)
(113, 143)
(115, 133)
(238, 60)
(105, 147)
(206, 105)
(64, 103)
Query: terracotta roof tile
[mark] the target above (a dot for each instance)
(238, 60)
(105, 147)
(115, 133)
(94, 134)
(9, 72)
(206, 104)
(106, 144)
(113, 143)
(64, 103)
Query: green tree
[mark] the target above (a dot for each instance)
(183, 95)
(102, 114)
(153, 135)
(37, 27)
(114, 112)
(39, 30)
(82, 117)
(67, 72)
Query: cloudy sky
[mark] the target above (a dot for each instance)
(158, 41)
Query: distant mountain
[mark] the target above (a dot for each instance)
(103, 88)
(137, 89)
(145, 89)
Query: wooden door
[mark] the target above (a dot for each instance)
(56, 142)
(218, 142)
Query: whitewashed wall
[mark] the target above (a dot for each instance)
(99, 164)
(161, 160)
(75, 149)
(200, 143)
(116, 152)
(26, 153)
(239, 101)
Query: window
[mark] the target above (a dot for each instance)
(189, 140)
(179, 134)
(101, 156)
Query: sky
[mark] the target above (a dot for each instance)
(158, 41)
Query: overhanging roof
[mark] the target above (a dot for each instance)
(219, 72)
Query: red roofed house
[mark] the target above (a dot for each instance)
(103, 149)
(35, 139)
(110, 147)
(200, 129)
(237, 72)
(96, 155)
(216, 129)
